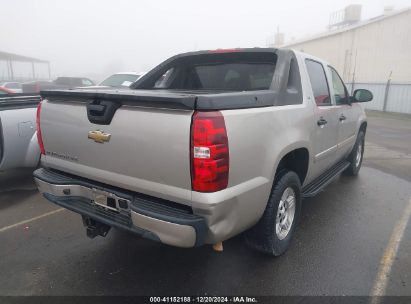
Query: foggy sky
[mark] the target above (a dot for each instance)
(97, 37)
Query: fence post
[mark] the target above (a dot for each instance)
(33, 70)
(387, 89)
(11, 70)
(48, 67)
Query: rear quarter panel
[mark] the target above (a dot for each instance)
(258, 139)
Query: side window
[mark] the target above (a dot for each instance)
(340, 91)
(318, 82)
(12, 85)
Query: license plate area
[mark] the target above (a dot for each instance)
(109, 201)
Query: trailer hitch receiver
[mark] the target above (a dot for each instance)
(95, 228)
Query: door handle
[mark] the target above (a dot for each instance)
(321, 121)
(342, 117)
(97, 110)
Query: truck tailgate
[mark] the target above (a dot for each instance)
(147, 150)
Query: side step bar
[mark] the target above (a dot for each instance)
(324, 179)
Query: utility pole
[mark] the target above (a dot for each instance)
(48, 65)
(387, 89)
(32, 70)
(353, 73)
(11, 70)
(8, 69)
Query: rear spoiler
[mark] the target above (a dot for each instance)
(19, 101)
(142, 98)
(167, 99)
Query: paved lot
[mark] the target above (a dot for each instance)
(343, 235)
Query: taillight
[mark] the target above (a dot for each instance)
(209, 152)
(39, 136)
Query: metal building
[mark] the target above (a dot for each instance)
(9, 59)
(374, 54)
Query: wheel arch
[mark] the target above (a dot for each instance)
(296, 160)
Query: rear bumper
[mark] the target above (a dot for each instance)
(152, 218)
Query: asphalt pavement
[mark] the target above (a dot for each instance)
(340, 246)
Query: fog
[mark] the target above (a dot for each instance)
(95, 38)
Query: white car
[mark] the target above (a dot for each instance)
(18, 138)
(121, 80)
(14, 86)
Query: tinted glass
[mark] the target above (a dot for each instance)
(340, 92)
(164, 80)
(318, 82)
(219, 72)
(236, 76)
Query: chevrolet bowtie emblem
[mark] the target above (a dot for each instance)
(99, 136)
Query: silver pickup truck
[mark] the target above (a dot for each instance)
(205, 146)
(18, 139)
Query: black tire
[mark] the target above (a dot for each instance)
(263, 237)
(355, 166)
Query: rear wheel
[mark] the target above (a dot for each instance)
(273, 233)
(356, 156)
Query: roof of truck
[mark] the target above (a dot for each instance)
(231, 50)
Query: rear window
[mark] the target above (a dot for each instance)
(86, 82)
(220, 72)
(119, 80)
(235, 76)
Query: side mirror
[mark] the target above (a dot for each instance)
(362, 95)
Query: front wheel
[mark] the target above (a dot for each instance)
(273, 233)
(356, 156)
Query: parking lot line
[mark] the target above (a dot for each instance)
(30, 220)
(389, 256)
